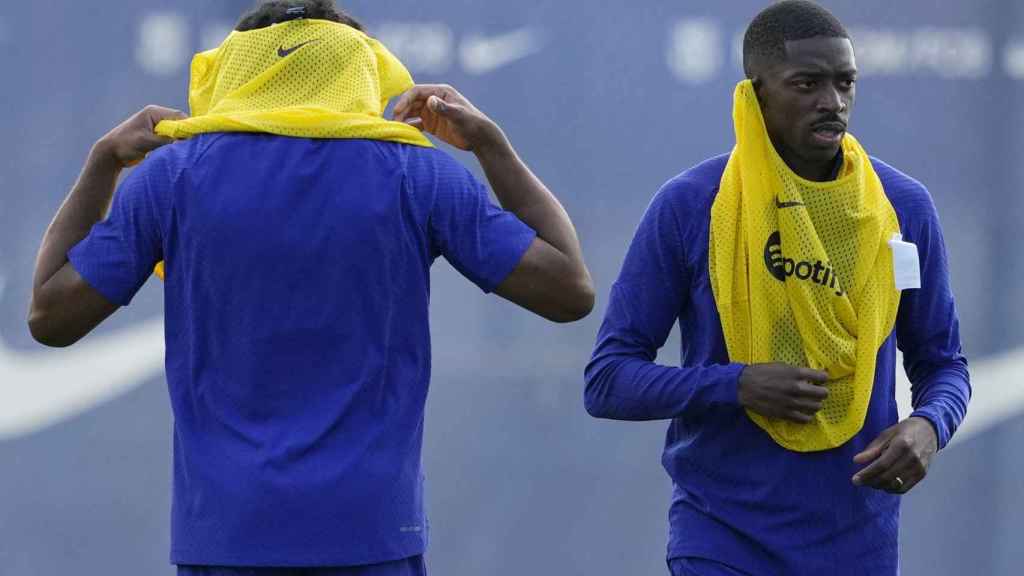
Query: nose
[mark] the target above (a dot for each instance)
(831, 101)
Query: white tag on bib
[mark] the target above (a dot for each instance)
(906, 266)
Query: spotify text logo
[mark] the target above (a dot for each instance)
(781, 267)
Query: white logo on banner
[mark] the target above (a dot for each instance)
(942, 52)
(424, 47)
(695, 50)
(44, 387)
(483, 54)
(162, 48)
(1013, 59)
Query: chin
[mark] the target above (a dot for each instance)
(819, 154)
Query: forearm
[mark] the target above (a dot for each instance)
(520, 191)
(85, 205)
(632, 388)
(941, 397)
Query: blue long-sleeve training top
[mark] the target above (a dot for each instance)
(738, 497)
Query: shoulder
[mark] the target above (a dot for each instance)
(186, 153)
(169, 159)
(909, 197)
(422, 161)
(696, 186)
(168, 164)
(678, 218)
(690, 194)
(436, 182)
(160, 172)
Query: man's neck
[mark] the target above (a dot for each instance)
(813, 171)
(837, 165)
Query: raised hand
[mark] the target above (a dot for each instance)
(130, 141)
(440, 110)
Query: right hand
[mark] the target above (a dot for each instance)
(129, 142)
(782, 391)
(440, 110)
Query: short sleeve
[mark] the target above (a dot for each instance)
(118, 255)
(482, 241)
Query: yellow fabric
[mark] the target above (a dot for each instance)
(304, 78)
(802, 273)
(332, 81)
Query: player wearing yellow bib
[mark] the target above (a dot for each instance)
(296, 227)
(791, 266)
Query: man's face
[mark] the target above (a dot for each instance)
(806, 99)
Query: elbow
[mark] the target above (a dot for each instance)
(41, 326)
(595, 404)
(585, 297)
(577, 303)
(593, 397)
(592, 405)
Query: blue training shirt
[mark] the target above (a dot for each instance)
(298, 345)
(738, 497)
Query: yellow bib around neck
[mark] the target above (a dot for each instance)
(802, 273)
(304, 78)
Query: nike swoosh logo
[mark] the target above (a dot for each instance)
(480, 54)
(42, 388)
(282, 52)
(787, 204)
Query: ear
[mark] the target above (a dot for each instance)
(757, 81)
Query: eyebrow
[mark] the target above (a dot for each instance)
(811, 70)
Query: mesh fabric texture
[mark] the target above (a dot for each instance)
(802, 273)
(303, 78)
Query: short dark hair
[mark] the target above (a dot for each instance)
(277, 11)
(783, 22)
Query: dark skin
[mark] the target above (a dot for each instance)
(806, 99)
(64, 306)
(550, 280)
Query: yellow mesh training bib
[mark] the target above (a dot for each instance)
(304, 78)
(802, 273)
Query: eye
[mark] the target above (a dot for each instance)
(805, 84)
(847, 83)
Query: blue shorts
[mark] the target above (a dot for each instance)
(690, 566)
(413, 566)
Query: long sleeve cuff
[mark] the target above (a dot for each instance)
(944, 410)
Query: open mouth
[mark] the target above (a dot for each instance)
(829, 132)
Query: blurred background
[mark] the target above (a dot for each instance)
(605, 100)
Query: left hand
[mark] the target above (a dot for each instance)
(442, 111)
(903, 451)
